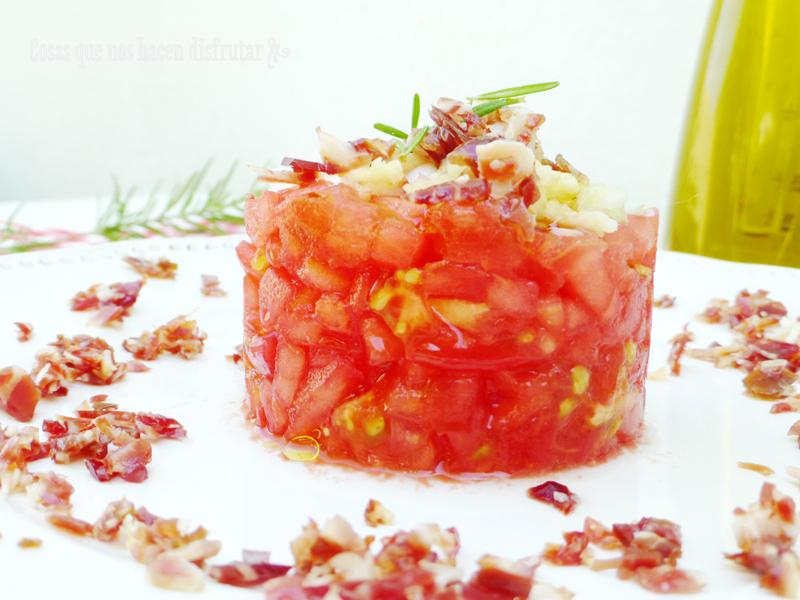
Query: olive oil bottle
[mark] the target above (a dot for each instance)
(737, 194)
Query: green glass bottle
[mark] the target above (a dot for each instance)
(737, 194)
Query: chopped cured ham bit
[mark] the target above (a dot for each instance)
(112, 302)
(678, 346)
(29, 543)
(744, 306)
(377, 514)
(20, 447)
(315, 545)
(254, 569)
(135, 366)
(180, 336)
(771, 379)
(650, 551)
(236, 357)
(664, 301)
(495, 575)
(70, 524)
(765, 533)
(128, 462)
(18, 393)
(755, 467)
(473, 190)
(555, 494)
(176, 573)
(161, 269)
(24, 331)
(50, 491)
(99, 425)
(82, 358)
(211, 286)
(788, 405)
(107, 526)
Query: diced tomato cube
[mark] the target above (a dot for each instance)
(332, 313)
(259, 216)
(290, 370)
(382, 346)
(397, 243)
(445, 278)
(324, 388)
(323, 277)
(274, 293)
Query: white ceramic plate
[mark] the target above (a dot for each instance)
(697, 427)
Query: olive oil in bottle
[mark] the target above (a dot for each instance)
(737, 194)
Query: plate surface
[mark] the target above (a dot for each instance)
(237, 484)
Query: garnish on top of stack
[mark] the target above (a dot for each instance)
(486, 146)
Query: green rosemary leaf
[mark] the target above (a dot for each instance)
(514, 92)
(414, 141)
(389, 130)
(186, 210)
(415, 112)
(486, 108)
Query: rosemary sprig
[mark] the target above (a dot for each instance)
(415, 112)
(392, 131)
(486, 108)
(184, 210)
(414, 142)
(515, 92)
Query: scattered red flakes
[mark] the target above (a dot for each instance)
(98, 426)
(376, 514)
(112, 302)
(756, 467)
(107, 526)
(745, 305)
(20, 447)
(771, 379)
(473, 190)
(176, 573)
(18, 393)
(332, 561)
(135, 366)
(128, 462)
(650, 552)
(29, 543)
(81, 358)
(765, 533)
(555, 494)
(785, 406)
(211, 286)
(51, 491)
(664, 301)
(24, 331)
(677, 349)
(570, 553)
(237, 356)
(254, 569)
(161, 269)
(179, 336)
(70, 524)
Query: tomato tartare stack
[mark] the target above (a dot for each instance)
(449, 301)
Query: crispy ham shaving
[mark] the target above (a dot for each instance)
(24, 331)
(650, 552)
(678, 347)
(211, 286)
(180, 336)
(162, 268)
(82, 358)
(112, 303)
(765, 533)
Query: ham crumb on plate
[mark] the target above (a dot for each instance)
(163, 268)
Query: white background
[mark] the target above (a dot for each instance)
(68, 122)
